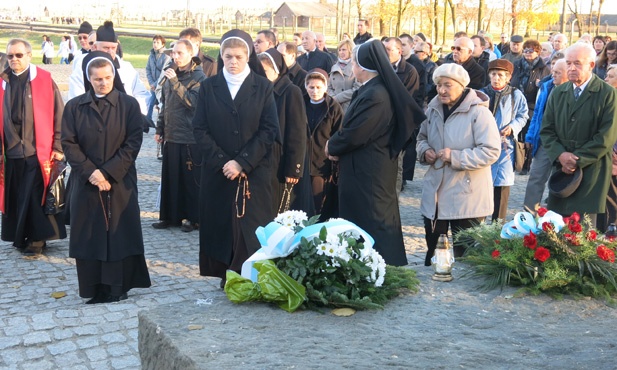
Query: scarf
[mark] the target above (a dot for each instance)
(496, 95)
(526, 72)
(235, 81)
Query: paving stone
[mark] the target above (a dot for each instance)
(12, 355)
(125, 362)
(60, 334)
(100, 365)
(67, 313)
(87, 342)
(17, 329)
(6, 342)
(113, 338)
(117, 350)
(34, 353)
(41, 365)
(96, 354)
(86, 330)
(43, 321)
(114, 316)
(61, 347)
(37, 337)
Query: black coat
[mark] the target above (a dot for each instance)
(410, 78)
(297, 75)
(420, 94)
(315, 59)
(289, 154)
(530, 90)
(327, 125)
(112, 146)
(477, 74)
(367, 174)
(243, 129)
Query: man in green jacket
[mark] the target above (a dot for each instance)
(579, 129)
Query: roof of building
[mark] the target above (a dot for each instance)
(309, 9)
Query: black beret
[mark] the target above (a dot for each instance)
(106, 32)
(85, 28)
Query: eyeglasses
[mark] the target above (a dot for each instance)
(16, 55)
(83, 37)
(528, 51)
(419, 51)
(457, 48)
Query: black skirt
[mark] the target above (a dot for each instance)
(24, 219)
(179, 183)
(118, 276)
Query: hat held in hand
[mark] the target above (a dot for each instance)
(562, 185)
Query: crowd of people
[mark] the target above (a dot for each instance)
(273, 125)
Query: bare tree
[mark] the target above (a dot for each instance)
(600, 3)
(453, 11)
(514, 16)
(578, 16)
(480, 7)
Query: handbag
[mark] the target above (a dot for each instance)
(329, 205)
(520, 153)
(54, 199)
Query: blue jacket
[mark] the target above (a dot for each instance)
(533, 132)
(511, 111)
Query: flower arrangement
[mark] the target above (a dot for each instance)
(334, 262)
(549, 254)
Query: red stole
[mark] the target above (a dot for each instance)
(42, 90)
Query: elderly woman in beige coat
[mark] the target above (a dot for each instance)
(342, 82)
(460, 141)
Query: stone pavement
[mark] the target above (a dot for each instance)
(38, 331)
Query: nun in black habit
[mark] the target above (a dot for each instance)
(377, 126)
(290, 153)
(236, 124)
(101, 138)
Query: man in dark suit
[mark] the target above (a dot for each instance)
(411, 58)
(461, 54)
(295, 73)
(313, 58)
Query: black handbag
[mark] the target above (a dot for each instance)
(54, 199)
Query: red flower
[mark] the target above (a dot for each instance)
(495, 254)
(541, 254)
(542, 211)
(530, 241)
(575, 217)
(591, 235)
(572, 239)
(497, 241)
(547, 226)
(575, 227)
(611, 238)
(606, 253)
(566, 220)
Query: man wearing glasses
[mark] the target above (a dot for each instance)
(31, 110)
(462, 55)
(82, 35)
(265, 40)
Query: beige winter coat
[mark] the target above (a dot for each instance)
(342, 84)
(464, 188)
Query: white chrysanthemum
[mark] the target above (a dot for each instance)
(291, 218)
(377, 264)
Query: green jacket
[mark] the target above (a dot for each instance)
(586, 127)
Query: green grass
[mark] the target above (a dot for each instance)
(135, 49)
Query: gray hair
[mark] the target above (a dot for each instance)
(19, 41)
(585, 48)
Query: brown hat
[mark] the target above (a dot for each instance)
(502, 64)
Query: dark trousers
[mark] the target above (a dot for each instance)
(610, 216)
(318, 185)
(433, 229)
(500, 198)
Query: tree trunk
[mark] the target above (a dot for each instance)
(398, 17)
(590, 23)
(480, 25)
(600, 3)
(514, 16)
(453, 14)
(435, 23)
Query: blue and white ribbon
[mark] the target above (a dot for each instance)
(280, 241)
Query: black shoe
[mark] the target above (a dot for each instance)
(161, 224)
(115, 298)
(222, 284)
(99, 297)
(524, 172)
(187, 226)
(34, 248)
